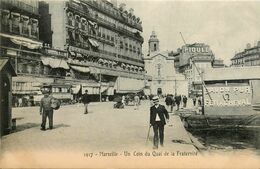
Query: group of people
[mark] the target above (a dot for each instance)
(171, 101)
(159, 116)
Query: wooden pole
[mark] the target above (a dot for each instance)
(100, 95)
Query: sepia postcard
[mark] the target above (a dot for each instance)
(129, 84)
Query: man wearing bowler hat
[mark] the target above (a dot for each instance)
(158, 118)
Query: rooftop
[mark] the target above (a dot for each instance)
(232, 73)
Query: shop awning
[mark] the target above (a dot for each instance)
(93, 42)
(29, 43)
(55, 63)
(80, 68)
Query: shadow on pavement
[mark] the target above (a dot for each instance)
(60, 125)
(25, 126)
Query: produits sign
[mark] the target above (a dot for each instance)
(227, 96)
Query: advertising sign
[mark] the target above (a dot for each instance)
(219, 96)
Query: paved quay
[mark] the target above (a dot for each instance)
(104, 128)
(104, 138)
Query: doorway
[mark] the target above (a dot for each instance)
(159, 91)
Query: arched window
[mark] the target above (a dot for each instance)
(154, 47)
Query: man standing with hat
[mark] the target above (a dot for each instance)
(46, 109)
(86, 101)
(158, 118)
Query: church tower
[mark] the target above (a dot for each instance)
(153, 43)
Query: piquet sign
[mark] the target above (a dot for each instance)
(227, 96)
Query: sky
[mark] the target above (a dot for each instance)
(226, 26)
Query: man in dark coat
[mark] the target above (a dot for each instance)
(169, 102)
(86, 101)
(158, 118)
(184, 100)
(178, 101)
(46, 109)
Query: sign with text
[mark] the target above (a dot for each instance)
(227, 96)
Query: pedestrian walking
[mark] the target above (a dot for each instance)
(86, 101)
(46, 110)
(169, 102)
(158, 118)
(200, 101)
(136, 101)
(123, 100)
(194, 99)
(184, 100)
(178, 101)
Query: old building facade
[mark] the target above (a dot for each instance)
(192, 61)
(103, 42)
(92, 45)
(249, 57)
(160, 66)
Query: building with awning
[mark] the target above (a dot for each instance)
(134, 85)
(80, 68)
(55, 63)
(98, 40)
(19, 40)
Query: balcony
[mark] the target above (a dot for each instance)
(21, 5)
(112, 14)
(19, 29)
